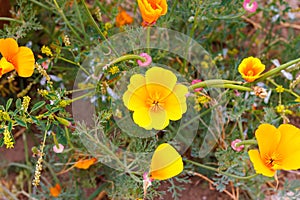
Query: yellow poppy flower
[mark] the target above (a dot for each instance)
(85, 164)
(14, 57)
(251, 68)
(166, 163)
(55, 191)
(155, 98)
(123, 18)
(151, 10)
(278, 149)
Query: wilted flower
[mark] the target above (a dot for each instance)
(14, 57)
(234, 147)
(155, 98)
(197, 81)
(251, 68)
(278, 149)
(85, 164)
(59, 148)
(55, 191)
(147, 62)
(123, 18)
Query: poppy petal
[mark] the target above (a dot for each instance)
(159, 80)
(289, 148)
(268, 138)
(142, 118)
(259, 165)
(24, 62)
(5, 66)
(159, 119)
(166, 162)
(8, 48)
(175, 104)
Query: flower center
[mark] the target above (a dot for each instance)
(272, 160)
(249, 5)
(250, 73)
(155, 102)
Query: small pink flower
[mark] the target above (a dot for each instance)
(250, 6)
(147, 62)
(234, 147)
(46, 64)
(197, 81)
(60, 148)
(147, 182)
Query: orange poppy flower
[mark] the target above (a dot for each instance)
(151, 10)
(123, 18)
(278, 149)
(14, 57)
(55, 191)
(85, 164)
(251, 68)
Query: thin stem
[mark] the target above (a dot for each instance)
(82, 96)
(11, 20)
(277, 69)
(41, 5)
(241, 129)
(126, 57)
(67, 21)
(80, 19)
(286, 90)
(231, 86)
(246, 142)
(209, 83)
(148, 40)
(68, 137)
(221, 172)
(74, 63)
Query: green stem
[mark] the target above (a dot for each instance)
(148, 40)
(210, 83)
(236, 87)
(41, 5)
(286, 90)
(277, 69)
(74, 63)
(246, 142)
(68, 137)
(80, 19)
(241, 129)
(82, 96)
(126, 57)
(11, 20)
(60, 11)
(221, 172)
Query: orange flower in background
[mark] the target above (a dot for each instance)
(85, 164)
(55, 191)
(14, 57)
(166, 163)
(278, 149)
(123, 18)
(155, 98)
(251, 68)
(151, 10)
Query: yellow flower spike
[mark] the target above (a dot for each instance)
(166, 163)
(279, 149)
(155, 98)
(251, 68)
(14, 57)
